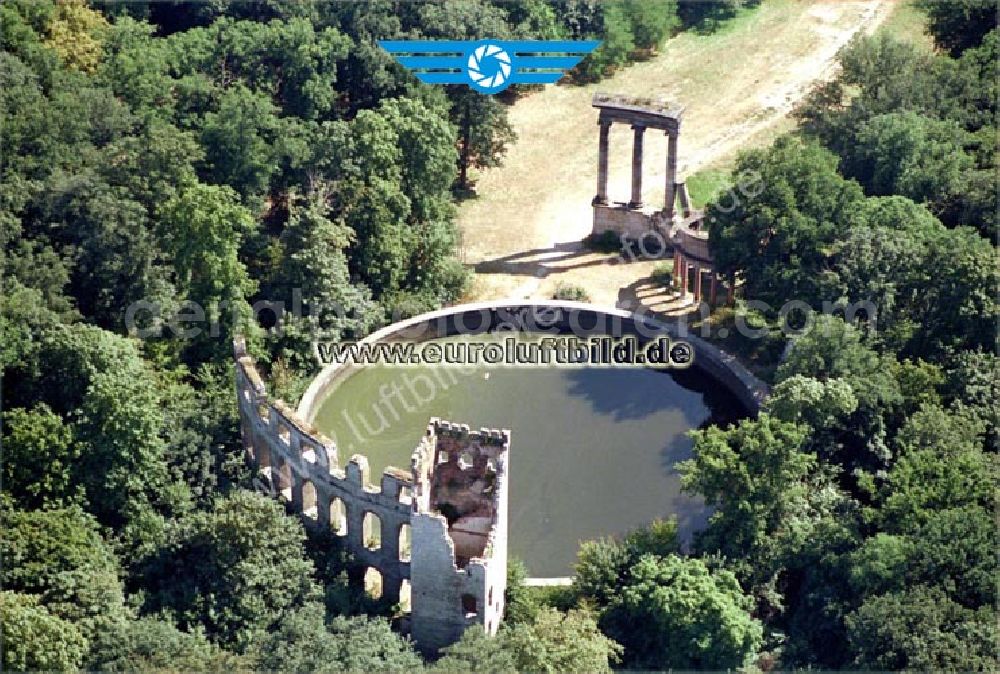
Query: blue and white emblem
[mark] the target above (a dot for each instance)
(489, 66)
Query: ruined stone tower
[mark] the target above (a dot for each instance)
(459, 532)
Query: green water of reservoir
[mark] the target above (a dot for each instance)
(592, 449)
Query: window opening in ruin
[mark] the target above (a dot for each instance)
(309, 507)
(338, 517)
(404, 543)
(372, 531)
(469, 605)
(373, 583)
(285, 481)
(465, 460)
(405, 596)
(308, 453)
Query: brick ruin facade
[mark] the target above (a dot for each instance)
(432, 538)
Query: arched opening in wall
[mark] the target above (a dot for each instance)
(263, 454)
(371, 531)
(248, 443)
(308, 453)
(309, 505)
(469, 608)
(465, 461)
(404, 543)
(405, 596)
(338, 517)
(373, 582)
(284, 485)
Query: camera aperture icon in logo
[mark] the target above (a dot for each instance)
(489, 66)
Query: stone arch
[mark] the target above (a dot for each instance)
(263, 454)
(405, 596)
(284, 481)
(405, 541)
(373, 582)
(310, 506)
(338, 516)
(371, 531)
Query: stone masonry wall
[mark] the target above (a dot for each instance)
(301, 466)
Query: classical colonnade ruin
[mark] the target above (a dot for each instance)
(683, 231)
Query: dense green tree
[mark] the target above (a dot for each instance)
(941, 466)
(152, 644)
(237, 570)
(652, 21)
(520, 602)
(921, 629)
(959, 24)
(756, 475)
(952, 549)
(201, 229)
(819, 404)
(892, 98)
(603, 565)
(675, 613)
(780, 239)
(59, 557)
(39, 453)
(36, 640)
(476, 652)
(302, 642)
(561, 642)
(907, 154)
(98, 383)
(107, 237)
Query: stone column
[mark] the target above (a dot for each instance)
(670, 195)
(602, 164)
(636, 201)
(677, 267)
(697, 283)
(713, 289)
(684, 276)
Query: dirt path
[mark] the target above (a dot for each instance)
(737, 86)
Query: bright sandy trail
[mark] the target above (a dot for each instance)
(738, 86)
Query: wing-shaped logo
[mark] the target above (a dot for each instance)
(489, 66)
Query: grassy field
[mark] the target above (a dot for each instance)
(909, 24)
(737, 86)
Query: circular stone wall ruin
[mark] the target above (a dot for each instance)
(454, 573)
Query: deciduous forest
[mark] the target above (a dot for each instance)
(168, 168)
